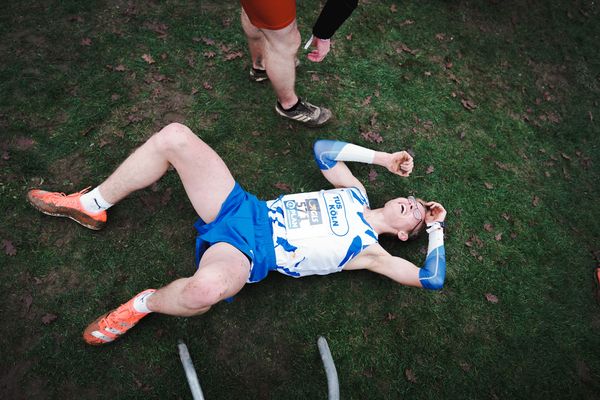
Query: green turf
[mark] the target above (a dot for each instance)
(519, 175)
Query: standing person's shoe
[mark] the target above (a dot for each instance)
(258, 75)
(309, 114)
(62, 205)
(115, 323)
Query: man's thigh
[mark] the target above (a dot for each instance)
(270, 14)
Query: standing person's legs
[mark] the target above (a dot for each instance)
(273, 40)
(279, 56)
(256, 41)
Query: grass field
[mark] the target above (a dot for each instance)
(498, 101)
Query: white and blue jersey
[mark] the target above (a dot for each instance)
(317, 233)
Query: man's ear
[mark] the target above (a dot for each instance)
(402, 236)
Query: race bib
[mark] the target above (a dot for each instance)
(315, 214)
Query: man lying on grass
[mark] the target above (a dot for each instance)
(240, 238)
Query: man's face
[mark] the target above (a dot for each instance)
(404, 213)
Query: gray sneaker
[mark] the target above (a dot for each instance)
(306, 113)
(258, 75)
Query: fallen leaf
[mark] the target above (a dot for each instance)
(488, 227)
(367, 101)
(132, 118)
(429, 170)
(535, 201)
(390, 316)
(9, 248)
(513, 235)
(488, 185)
(86, 42)
(283, 186)
(115, 97)
(48, 318)
(502, 166)
(465, 366)
(410, 375)
(462, 135)
(120, 68)
(372, 137)
(474, 239)
(349, 37)
(407, 22)
(566, 157)
(226, 22)
(5, 155)
(209, 54)
(315, 78)
(28, 300)
(23, 143)
(207, 86)
(468, 104)
(393, 8)
(498, 237)
(404, 48)
(372, 175)
(506, 216)
(233, 55)
(427, 73)
(440, 36)
(491, 298)
(148, 58)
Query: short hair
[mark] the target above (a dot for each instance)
(416, 231)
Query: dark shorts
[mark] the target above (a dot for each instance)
(270, 14)
(243, 223)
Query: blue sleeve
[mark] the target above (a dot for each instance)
(326, 152)
(433, 273)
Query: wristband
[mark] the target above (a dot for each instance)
(433, 226)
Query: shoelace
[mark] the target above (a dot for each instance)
(116, 318)
(83, 191)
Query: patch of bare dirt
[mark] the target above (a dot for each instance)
(12, 382)
(72, 169)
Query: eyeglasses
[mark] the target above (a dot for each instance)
(416, 212)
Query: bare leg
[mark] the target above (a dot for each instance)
(256, 41)
(281, 47)
(222, 273)
(205, 177)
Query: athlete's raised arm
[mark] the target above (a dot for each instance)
(433, 272)
(331, 154)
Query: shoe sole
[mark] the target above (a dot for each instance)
(307, 123)
(58, 214)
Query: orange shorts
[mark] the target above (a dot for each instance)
(270, 14)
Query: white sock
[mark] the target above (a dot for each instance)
(94, 202)
(140, 305)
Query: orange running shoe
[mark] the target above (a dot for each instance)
(62, 205)
(113, 324)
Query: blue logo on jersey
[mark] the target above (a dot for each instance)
(296, 212)
(338, 222)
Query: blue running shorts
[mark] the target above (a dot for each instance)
(243, 223)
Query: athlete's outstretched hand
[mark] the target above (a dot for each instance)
(435, 212)
(400, 163)
(322, 48)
